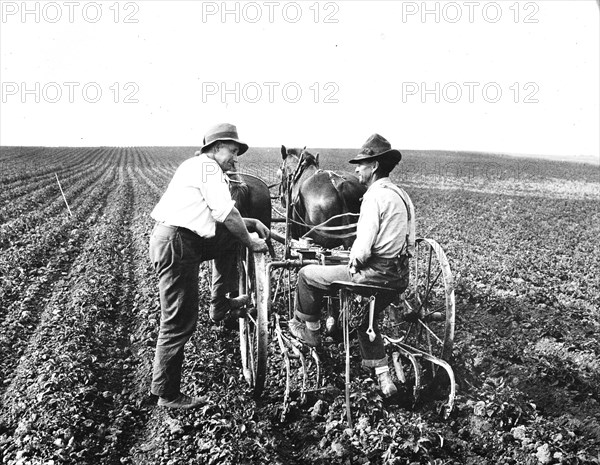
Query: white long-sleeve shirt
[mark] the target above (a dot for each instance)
(197, 197)
(383, 223)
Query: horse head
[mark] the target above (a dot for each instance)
(294, 164)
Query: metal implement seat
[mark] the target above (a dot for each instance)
(346, 290)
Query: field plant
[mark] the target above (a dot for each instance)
(79, 317)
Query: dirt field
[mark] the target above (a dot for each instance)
(79, 316)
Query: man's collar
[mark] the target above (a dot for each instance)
(380, 181)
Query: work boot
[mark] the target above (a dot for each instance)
(218, 313)
(182, 401)
(239, 301)
(388, 388)
(300, 331)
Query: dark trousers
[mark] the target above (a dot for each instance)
(314, 281)
(176, 254)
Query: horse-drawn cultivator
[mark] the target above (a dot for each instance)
(417, 328)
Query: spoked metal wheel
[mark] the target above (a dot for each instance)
(421, 330)
(426, 317)
(253, 325)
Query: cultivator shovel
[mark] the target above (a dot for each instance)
(399, 348)
(294, 358)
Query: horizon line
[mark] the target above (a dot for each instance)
(582, 158)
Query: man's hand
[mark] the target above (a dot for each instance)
(262, 230)
(257, 244)
(239, 228)
(256, 226)
(354, 265)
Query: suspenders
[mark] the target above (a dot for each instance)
(409, 243)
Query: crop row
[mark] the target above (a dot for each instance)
(19, 201)
(67, 393)
(21, 172)
(23, 260)
(80, 316)
(83, 326)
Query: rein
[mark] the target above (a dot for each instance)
(239, 181)
(322, 229)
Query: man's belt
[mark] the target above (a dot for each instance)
(180, 229)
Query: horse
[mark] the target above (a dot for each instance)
(324, 205)
(252, 198)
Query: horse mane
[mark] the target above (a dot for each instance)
(309, 159)
(303, 155)
(295, 152)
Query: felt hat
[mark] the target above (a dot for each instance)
(223, 132)
(376, 147)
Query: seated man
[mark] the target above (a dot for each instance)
(379, 256)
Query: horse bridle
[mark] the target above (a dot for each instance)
(287, 181)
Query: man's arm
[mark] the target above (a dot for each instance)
(257, 226)
(236, 225)
(366, 233)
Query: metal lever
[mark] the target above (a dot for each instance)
(370, 331)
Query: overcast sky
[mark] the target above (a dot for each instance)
(507, 76)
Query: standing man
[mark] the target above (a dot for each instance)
(385, 238)
(196, 220)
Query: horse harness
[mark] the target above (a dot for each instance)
(331, 232)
